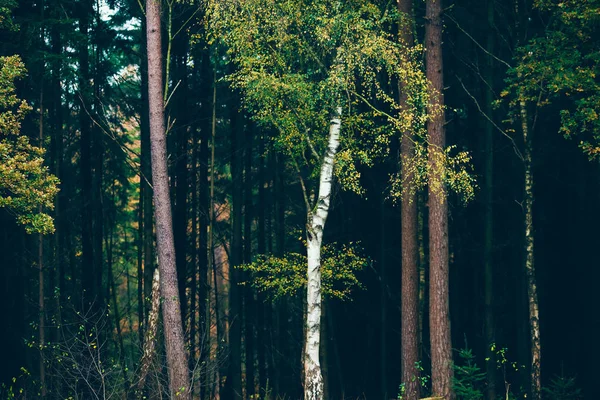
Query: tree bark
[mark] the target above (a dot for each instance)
(439, 314)
(249, 304)
(87, 246)
(41, 292)
(534, 317)
(149, 347)
(145, 187)
(410, 246)
(177, 358)
(488, 220)
(316, 218)
(234, 380)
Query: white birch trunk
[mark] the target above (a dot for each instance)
(534, 316)
(313, 379)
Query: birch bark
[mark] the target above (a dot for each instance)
(534, 317)
(316, 218)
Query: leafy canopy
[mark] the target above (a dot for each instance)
(564, 64)
(297, 60)
(26, 186)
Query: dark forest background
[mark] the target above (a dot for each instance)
(86, 85)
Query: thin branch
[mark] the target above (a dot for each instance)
(516, 149)
(477, 43)
(304, 191)
(127, 151)
(186, 22)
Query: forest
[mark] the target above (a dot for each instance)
(299, 199)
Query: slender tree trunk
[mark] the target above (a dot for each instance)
(146, 189)
(193, 270)
(98, 171)
(234, 380)
(216, 392)
(315, 224)
(534, 318)
(439, 314)
(383, 300)
(249, 304)
(117, 315)
(180, 113)
(410, 247)
(262, 306)
(203, 217)
(140, 264)
(87, 246)
(56, 96)
(488, 239)
(41, 293)
(177, 358)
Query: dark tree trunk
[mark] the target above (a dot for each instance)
(249, 304)
(262, 307)
(235, 299)
(439, 310)
(203, 208)
(180, 114)
(488, 221)
(410, 246)
(177, 358)
(146, 190)
(85, 163)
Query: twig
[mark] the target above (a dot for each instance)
(516, 149)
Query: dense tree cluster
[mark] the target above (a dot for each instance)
(318, 199)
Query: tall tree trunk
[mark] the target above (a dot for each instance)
(58, 148)
(41, 293)
(262, 306)
(410, 247)
(534, 318)
(234, 380)
(146, 180)
(115, 309)
(488, 220)
(87, 245)
(140, 264)
(439, 311)
(97, 187)
(204, 214)
(315, 224)
(211, 243)
(249, 304)
(383, 300)
(180, 131)
(193, 270)
(177, 358)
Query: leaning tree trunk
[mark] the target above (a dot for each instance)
(410, 246)
(534, 318)
(313, 379)
(439, 308)
(177, 359)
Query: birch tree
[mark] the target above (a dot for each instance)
(310, 69)
(560, 65)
